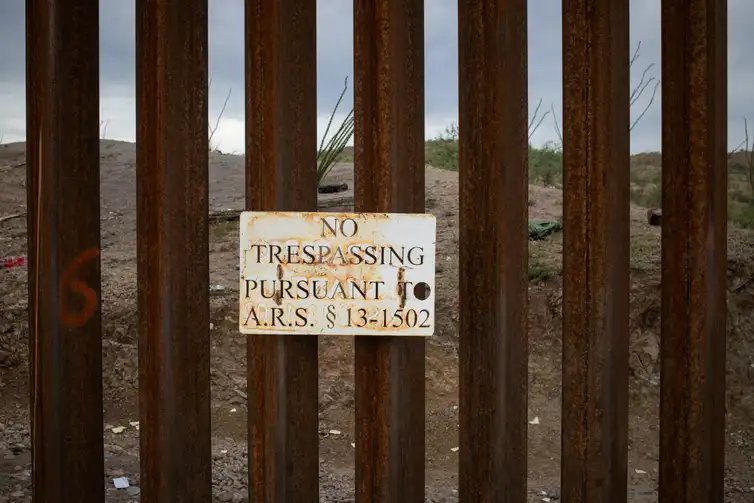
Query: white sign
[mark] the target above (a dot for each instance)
(337, 273)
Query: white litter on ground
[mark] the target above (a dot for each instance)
(121, 482)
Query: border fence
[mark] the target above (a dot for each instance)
(173, 304)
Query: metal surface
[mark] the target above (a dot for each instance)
(172, 154)
(596, 250)
(493, 254)
(172, 249)
(281, 149)
(64, 239)
(337, 273)
(389, 177)
(694, 137)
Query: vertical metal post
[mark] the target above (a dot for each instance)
(596, 244)
(64, 239)
(173, 249)
(389, 177)
(34, 60)
(694, 144)
(493, 249)
(281, 167)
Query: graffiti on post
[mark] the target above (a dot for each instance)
(70, 283)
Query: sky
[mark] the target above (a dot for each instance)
(335, 63)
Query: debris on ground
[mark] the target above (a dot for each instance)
(331, 188)
(654, 217)
(216, 289)
(121, 482)
(540, 229)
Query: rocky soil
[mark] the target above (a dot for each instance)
(336, 354)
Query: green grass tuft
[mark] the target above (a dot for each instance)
(539, 272)
(741, 215)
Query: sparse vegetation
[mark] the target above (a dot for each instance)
(545, 168)
(741, 214)
(546, 165)
(741, 182)
(637, 96)
(539, 272)
(442, 151)
(646, 180)
(213, 129)
(748, 154)
(103, 129)
(647, 80)
(331, 150)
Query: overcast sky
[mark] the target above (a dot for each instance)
(335, 62)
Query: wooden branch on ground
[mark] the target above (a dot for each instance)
(742, 285)
(216, 217)
(12, 166)
(11, 217)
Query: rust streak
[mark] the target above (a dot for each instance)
(389, 177)
(173, 272)
(493, 250)
(694, 183)
(278, 297)
(596, 243)
(63, 219)
(401, 287)
(281, 175)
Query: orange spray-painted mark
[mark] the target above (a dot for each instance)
(69, 281)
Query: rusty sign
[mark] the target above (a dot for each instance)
(337, 273)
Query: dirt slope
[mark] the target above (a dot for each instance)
(336, 370)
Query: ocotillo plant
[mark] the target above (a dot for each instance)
(330, 150)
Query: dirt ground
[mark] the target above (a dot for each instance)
(336, 368)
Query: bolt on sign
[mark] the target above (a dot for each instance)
(337, 273)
